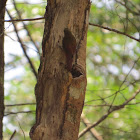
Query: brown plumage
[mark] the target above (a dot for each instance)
(69, 45)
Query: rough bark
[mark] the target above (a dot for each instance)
(2, 13)
(61, 85)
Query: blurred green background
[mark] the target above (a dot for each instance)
(112, 66)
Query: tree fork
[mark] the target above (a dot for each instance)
(60, 88)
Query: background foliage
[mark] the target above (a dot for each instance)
(112, 68)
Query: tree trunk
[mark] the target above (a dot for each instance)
(2, 13)
(61, 85)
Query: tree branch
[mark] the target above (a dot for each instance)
(108, 113)
(12, 135)
(26, 19)
(25, 27)
(92, 24)
(21, 130)
(23, 47)
(20, 104)
(93, 131)
(133, 12)
(12, 113)
(114, 30)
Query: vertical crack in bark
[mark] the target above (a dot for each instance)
(83, 31)
(64, 112)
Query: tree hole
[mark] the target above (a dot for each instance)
(76, 71)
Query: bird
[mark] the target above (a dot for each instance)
(69, 45)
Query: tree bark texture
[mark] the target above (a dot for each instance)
(61, 84)
(2, 13)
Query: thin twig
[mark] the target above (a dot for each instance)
(125, 5)
(20, 104)
(93, 131)
(25, 27)
(124, 81)
(108, 105)
(120, 130)
(13, 113)
(102, 98)
(108, 113)
(23, 47)
(19, 42)
(114, 30)
(21, 130)
(12, 135)
(100, 26)
(26, 19)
